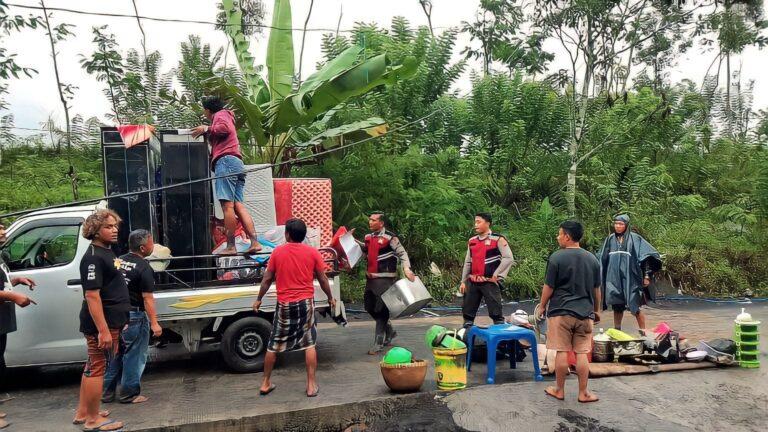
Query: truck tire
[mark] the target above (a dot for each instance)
(244, 344)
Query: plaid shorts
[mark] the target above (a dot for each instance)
(293, 328)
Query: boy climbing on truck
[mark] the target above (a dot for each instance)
(227, 159)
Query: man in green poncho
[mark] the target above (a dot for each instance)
(628, 263)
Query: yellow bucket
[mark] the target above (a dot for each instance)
(450, 368)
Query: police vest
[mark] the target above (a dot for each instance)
(485, 254)
(381, 255)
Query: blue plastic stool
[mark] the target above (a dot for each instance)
(498, 333)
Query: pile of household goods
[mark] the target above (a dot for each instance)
(271, 202)
(662, 349)
(662, 345)
(401, 372)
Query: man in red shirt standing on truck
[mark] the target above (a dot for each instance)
(227, 159)
(294, 266)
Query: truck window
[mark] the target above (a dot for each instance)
(42, 247)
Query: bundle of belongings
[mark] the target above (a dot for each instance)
(662, 345)
(249, 267)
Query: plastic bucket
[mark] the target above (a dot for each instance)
(450, 368)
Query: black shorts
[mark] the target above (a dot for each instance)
(623, 307)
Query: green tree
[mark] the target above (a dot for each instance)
(285, 118)
(597, 35)
(66, 92)
(106, 63)
(497, 29)
(735, 24)
(9, 25)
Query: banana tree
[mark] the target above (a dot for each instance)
(287, 118)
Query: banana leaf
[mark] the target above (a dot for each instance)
(355, 131)
(321, 95)
(339, 64)
(280, 61)
(257, 87)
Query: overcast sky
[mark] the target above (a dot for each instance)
(34, 100)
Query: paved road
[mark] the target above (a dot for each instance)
(198, 394)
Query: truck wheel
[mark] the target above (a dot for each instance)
(244, 344)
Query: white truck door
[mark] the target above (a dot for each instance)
(48, 251)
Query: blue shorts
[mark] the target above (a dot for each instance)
(229, 188)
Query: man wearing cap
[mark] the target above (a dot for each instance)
(383, 250)
(487, 263)
(628, 263)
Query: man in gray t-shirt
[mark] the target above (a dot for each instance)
(571, 299)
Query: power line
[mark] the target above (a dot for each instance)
(207, 179)
(184, 21)
(26, 129)
(159, 19)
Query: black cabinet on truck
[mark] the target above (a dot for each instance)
(130, 170)
(187, 210)
(178, 217)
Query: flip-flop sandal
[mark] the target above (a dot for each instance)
(135, 400)
(272, 387)
(552, 395)
(589, 401)
(100, 427)
(317, 390)
(103, 413)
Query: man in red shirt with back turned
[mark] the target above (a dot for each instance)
(294, 266)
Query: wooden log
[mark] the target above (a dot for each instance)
(613, 369)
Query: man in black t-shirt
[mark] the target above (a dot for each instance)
(129, 364)
(571, 297)
(103, 314)
(8, 302)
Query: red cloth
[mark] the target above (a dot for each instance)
(294, 265)
(135, 134)
(219, 232)
(572, 355)
(283, 200)
(222, 136)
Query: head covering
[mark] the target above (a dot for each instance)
(622, 218)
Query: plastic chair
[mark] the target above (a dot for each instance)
(498, 333)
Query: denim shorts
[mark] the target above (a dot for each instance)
(229, 188)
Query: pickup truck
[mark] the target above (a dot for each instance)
(47, 246)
